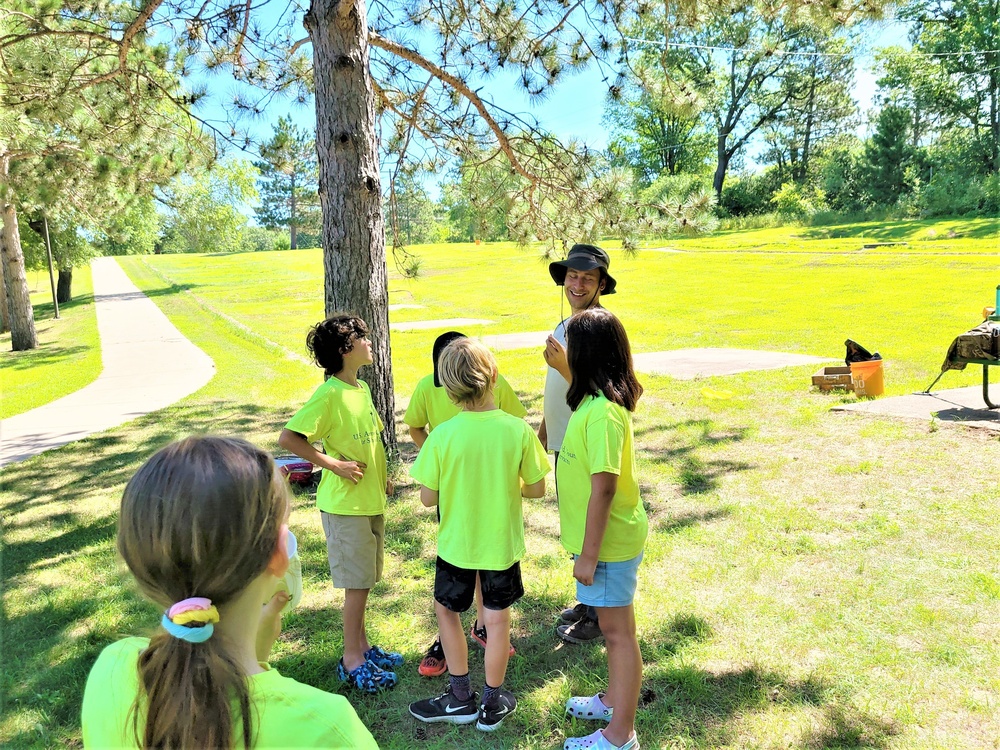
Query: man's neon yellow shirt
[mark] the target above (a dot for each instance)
(430, 406)
(344, 418)
(599, 439)
(287, 713)
(475, 462)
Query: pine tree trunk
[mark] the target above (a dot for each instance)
(294, 223)
(64, 289)
(356, 278)
(722, 164)
(21, 316)
(4, 308)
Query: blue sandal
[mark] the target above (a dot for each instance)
(368, 678)
(383, 659)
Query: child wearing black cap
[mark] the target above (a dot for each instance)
(429, 407)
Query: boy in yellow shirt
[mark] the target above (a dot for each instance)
(352, 491)
(476, 467)
(429, 406)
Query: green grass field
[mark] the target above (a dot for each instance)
(811, 579)
(68, 356)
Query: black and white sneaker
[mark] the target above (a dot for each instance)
(491, 717)
(446, 707)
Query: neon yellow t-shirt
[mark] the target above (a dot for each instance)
(474, 462)
(286, 714)
(430, 405)
(599, 439)
(344, 418)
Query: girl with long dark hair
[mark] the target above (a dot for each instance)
(602, 519)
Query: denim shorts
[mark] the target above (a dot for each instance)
(614, 584)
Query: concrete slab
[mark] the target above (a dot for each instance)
(422, 325)
(505, 341)
(688, 364)
(148, 365)
(960, 405)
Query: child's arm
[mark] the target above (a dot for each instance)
(533, 490)
(543, 435)
(418, 435)
(603, 486)
(428, 497)
(297, 444)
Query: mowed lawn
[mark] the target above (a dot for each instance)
(68, 356)
(812, 579)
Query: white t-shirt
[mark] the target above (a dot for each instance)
(554, 408)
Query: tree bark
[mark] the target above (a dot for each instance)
(64, 291)
(4, 308)
(22, 317)
(355, 273)
(722, 164)
(293, 228)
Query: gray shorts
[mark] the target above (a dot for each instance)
(354, 548)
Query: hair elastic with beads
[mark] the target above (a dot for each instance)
(196, 609)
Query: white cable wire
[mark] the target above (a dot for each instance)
(658, 43)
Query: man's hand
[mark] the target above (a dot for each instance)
(390, 488)
(555, 356)
(350, 470)
(583, 570)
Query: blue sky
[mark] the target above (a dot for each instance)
(572, 109)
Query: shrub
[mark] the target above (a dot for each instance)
(952, 193)
(794, 201)
(749, 194)
(259, 239)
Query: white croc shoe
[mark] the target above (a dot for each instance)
(597, 741)
(590, 709)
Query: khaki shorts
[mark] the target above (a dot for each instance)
(354, 548)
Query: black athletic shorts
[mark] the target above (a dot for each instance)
(455, 587)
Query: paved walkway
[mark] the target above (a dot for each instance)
(688, 364)
(963, 406)
(148, 365)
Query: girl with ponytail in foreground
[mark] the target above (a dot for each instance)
(203, 530)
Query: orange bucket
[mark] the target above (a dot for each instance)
(867, 378)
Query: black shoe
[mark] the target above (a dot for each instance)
(491, 717)
(585, 630)
(446, 707)
(574, 614)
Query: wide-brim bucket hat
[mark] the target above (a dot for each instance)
(584, 258)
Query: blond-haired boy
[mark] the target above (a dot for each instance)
(476, 468)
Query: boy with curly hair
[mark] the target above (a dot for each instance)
(352, 491)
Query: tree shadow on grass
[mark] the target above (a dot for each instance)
(705, 706)
(46, 309)
(46, 353)
(681, 444)
(109, 459)
(677, 522)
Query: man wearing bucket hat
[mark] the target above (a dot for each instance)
(584, 276)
